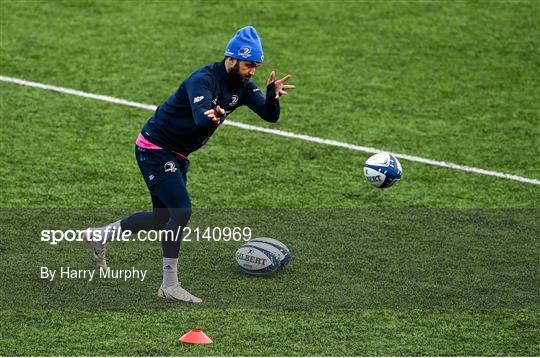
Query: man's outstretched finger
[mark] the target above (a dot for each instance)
(272, 77)
(281, 93)
(285, 79)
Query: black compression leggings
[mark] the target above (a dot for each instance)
(171, 211)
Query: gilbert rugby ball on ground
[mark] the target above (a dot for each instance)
(256, 261)
(262, 256)
(274, 246)
(382, 170)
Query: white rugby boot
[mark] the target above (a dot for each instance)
(99, 251)
(177, 293)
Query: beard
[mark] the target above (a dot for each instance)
(235, 78)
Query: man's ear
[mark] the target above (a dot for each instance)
(232, 61)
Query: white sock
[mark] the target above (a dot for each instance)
(108, 232)
(170, 272)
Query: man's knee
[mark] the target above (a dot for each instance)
(180, 216)
(161, 216)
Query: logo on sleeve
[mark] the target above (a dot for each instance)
(198, 99)
(234, 100)
(256, 90)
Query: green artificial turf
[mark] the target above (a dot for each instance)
(275, 333)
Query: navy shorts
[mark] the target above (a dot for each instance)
(157, 165)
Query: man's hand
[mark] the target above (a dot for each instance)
(215, 114)
(280, 85)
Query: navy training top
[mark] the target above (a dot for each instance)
(179, 123)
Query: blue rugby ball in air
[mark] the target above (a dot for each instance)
(256, 260)
(275, 246)
(382, 170)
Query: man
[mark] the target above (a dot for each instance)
(181, 125)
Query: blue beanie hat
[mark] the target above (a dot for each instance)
(245, 45)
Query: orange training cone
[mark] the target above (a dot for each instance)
(195, 336)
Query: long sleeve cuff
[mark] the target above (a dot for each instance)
(271, 105)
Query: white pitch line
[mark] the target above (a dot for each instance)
(281, 133)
